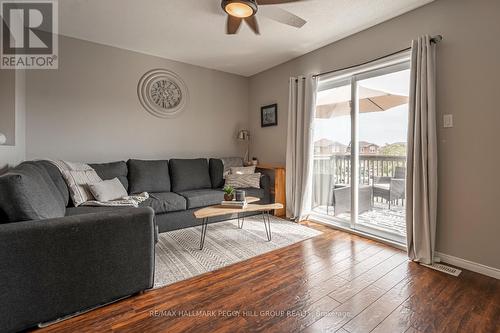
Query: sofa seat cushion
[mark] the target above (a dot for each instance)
(28, 193)
(202, 198)
(165, 202)
(189, 174)
(148, 176)
(108, 171)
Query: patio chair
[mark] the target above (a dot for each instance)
(390, 188)
(341, 199)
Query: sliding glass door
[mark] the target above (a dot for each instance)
(332, 160)
(360, 131)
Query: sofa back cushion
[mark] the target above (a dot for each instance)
(216, 168)
(148, 176)
(56, 177)
(108, 171)
(28, 193)
(189, 174)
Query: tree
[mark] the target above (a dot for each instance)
(394, 149)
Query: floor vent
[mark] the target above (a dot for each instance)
(444, 268)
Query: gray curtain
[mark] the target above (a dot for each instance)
(321, 188)
(421, 182)
(301, 105)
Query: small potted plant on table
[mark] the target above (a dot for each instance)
(228, 193)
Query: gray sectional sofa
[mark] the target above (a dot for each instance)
(56, 259)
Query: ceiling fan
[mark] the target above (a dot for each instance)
(245, 10)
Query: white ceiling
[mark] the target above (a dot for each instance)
(193, 31)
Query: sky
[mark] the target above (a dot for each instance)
(376, 127)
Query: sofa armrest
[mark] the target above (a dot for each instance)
(55, 267)
(265, 181)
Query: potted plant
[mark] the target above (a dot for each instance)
(228, 193)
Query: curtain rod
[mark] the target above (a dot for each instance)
(434, 39)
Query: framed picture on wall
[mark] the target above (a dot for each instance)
(269, 115)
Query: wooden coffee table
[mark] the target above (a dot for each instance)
(214, 211)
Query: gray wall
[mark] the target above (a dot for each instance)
(88, 110)
(468, 87)
(8, 105)
(12, 117)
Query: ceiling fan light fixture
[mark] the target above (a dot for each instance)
(240, 8)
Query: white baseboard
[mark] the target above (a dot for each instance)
(470, 265)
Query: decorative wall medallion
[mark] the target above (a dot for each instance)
(162, 93)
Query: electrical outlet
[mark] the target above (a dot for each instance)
(447, 120)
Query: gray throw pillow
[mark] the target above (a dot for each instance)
(243, 170)
(108, 190)
(78, 183)
(148, 176)
(243, 181)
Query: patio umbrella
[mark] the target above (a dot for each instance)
(330, 105)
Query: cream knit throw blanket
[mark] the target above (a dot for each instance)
(128, 201)
(79, 175)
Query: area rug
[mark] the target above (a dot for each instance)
(178, 256)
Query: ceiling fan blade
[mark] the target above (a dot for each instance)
(233, 25)
(275, 2)
(252, 22)
(283, 16)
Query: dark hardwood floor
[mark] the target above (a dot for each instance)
(335, 282)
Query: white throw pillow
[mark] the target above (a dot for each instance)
(108, 190)
(243, 170)
(78, 181)
(242, 181)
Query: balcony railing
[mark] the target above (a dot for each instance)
(338, 166)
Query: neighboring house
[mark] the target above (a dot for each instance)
(328, 147)
(366, 148)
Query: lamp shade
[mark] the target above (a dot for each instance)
(243, 135)
(3, 139)
(240, 8)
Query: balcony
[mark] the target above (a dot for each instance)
(331, 190)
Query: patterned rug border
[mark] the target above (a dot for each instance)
(173, 256)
